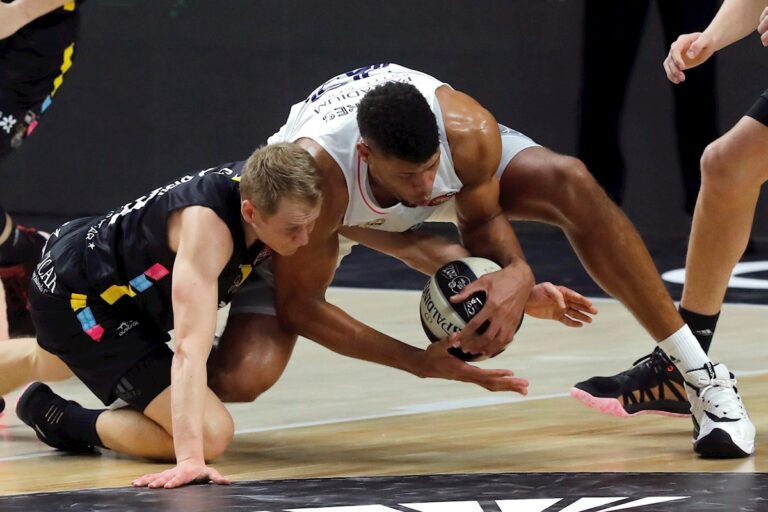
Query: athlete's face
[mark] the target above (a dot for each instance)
(288, 229)
(405, 182)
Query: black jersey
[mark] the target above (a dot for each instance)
(124, 255)
(34, 59)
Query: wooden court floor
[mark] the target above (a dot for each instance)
(333, 416)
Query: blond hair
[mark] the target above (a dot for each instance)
(276, 171)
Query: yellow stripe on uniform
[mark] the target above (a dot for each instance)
(65, 65)
(77, 301)
(69, 6)
(114, 292)
(236, 178)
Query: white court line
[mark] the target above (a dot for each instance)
(408, 410)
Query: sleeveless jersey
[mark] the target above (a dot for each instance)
(34, 60)
(124, 255)
(328, 117)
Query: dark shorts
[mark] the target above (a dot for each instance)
(759, 110)
(116, 350)
(33, 64)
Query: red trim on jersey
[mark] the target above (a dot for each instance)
(360, 188)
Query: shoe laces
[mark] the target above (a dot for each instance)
(720, 393)
(656, 360)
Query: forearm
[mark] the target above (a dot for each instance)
(188, 383)
(735, 20)
(331, 327)
(494, 240)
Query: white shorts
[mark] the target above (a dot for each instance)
(512, 143)
(258, 296)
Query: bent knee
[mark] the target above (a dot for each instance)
(218, 431)
(241, 386)
(722, 166)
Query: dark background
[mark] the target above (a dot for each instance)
(164, 86)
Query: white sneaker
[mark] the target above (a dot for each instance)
(721, 426)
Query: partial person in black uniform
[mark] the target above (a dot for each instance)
(612, 34)
(733, 168)
(109, 288)
(37, 48)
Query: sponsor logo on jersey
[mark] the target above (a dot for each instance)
(124, 327)
(441, 199)
(44, 275)
(372, 223)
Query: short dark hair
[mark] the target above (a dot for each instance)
(397, 119)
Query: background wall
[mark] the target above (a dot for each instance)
(164, 86)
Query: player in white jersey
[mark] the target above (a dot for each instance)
(413, 142)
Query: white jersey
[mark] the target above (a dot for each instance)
(328, 117)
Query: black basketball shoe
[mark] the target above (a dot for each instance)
(42, 409)
(652, 386)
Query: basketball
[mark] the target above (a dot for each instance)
(439, 317)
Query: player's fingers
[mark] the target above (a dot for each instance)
(467, 291)
(578, 315)
(570, 322)
(676, 57)
(216, 477)
(478, 320)
(160, 481)
(144, 480)
(669, 70)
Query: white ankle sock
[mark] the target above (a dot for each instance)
(684, 350)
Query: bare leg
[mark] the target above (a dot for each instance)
(149, 434)
(733, 169)
(23, 361)
(541, 185)
(252, 354)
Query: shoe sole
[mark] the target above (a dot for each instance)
(613, 407)
(718, 444)
(23, 401)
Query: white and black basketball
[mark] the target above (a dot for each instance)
(441, 318)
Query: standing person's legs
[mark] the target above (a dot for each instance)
(733, 168)
(612, 33)
(537, 184)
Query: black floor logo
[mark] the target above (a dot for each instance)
(519, 505)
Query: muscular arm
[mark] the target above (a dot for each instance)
(15, 15)
(301, 281)
(475, 143)
(204, 245)
(421, 251)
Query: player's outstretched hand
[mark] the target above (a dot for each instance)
(687, 52)
(762, 27)
(494, 326)
(440, 363)
(185, 472)
(551, 302)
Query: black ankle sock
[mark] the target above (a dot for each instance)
(702, 326)
(80, 423)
